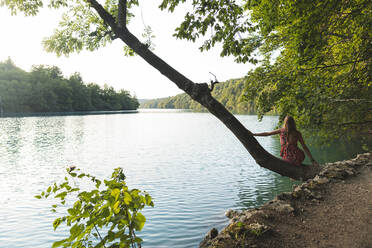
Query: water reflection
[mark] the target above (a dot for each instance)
(77, 126)
(12, 130)
(255, 195)
(340, 149)
(194, 168)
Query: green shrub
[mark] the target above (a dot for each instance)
(99, 218)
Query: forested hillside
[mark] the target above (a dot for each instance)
(44, 89)
(229, 93)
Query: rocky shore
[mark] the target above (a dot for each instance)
(334, 209)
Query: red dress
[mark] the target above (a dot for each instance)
(290, 152)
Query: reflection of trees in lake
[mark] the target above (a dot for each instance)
(78, 124)
(24, 140)
(49, 133)
(253, 193)
(54, 135)
(339, 149)
(11, 137)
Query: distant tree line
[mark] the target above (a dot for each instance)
(229, 93)
(45, 89)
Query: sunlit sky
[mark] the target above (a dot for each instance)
(21, 39)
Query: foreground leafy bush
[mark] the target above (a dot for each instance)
(113, 211)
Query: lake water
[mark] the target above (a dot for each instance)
(192, 166)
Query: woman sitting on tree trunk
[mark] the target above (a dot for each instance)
(289, 136)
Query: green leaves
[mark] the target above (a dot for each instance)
(139, 221)
(127, 198)
(59, 243)
(80, 27)
(223, 22)
(115, 206)
(29, 8)
(115, 193)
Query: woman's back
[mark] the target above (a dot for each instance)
(290, 139)
(289, 150)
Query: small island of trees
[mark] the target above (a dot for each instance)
(45, 89)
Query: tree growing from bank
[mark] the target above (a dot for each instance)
(90, 24)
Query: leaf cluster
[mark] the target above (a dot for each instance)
(112, 208)
(80, 26)
(219, 22)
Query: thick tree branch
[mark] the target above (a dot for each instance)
(122, 13)
(109, 33)
(201, 93)
(107, 18)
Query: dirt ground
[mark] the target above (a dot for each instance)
(332, 210)
(342, 219)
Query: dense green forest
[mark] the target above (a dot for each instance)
(44, 89)
(229, 93)
(313, 58)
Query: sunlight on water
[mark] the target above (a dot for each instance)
(194, 168)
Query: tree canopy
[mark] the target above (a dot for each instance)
(45, 89)
(322, 75)
(313, 56)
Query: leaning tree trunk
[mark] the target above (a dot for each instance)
(202, 94)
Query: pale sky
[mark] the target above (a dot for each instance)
(21, 39)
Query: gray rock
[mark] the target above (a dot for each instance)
(258, 229)
(350, 172)
(208, 237)
(320, 180)
(281, 206)
(284, 196)
(212, 233)
(316, 196)
(232, 213)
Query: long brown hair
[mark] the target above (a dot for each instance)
(289, 126)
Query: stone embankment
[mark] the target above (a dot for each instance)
(334, 209)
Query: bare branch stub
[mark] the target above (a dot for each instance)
(213, 82)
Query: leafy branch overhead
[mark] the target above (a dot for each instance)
(314, 56)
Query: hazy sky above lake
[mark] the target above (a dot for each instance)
(21, 39)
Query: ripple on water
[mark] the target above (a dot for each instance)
(190, 164)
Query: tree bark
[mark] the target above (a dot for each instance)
(122, 13)
(201, 93)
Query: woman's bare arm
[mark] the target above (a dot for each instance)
(267, 133)
(306, 149)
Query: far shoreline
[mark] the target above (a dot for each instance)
(50, 114)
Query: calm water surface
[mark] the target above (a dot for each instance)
(192, 166)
